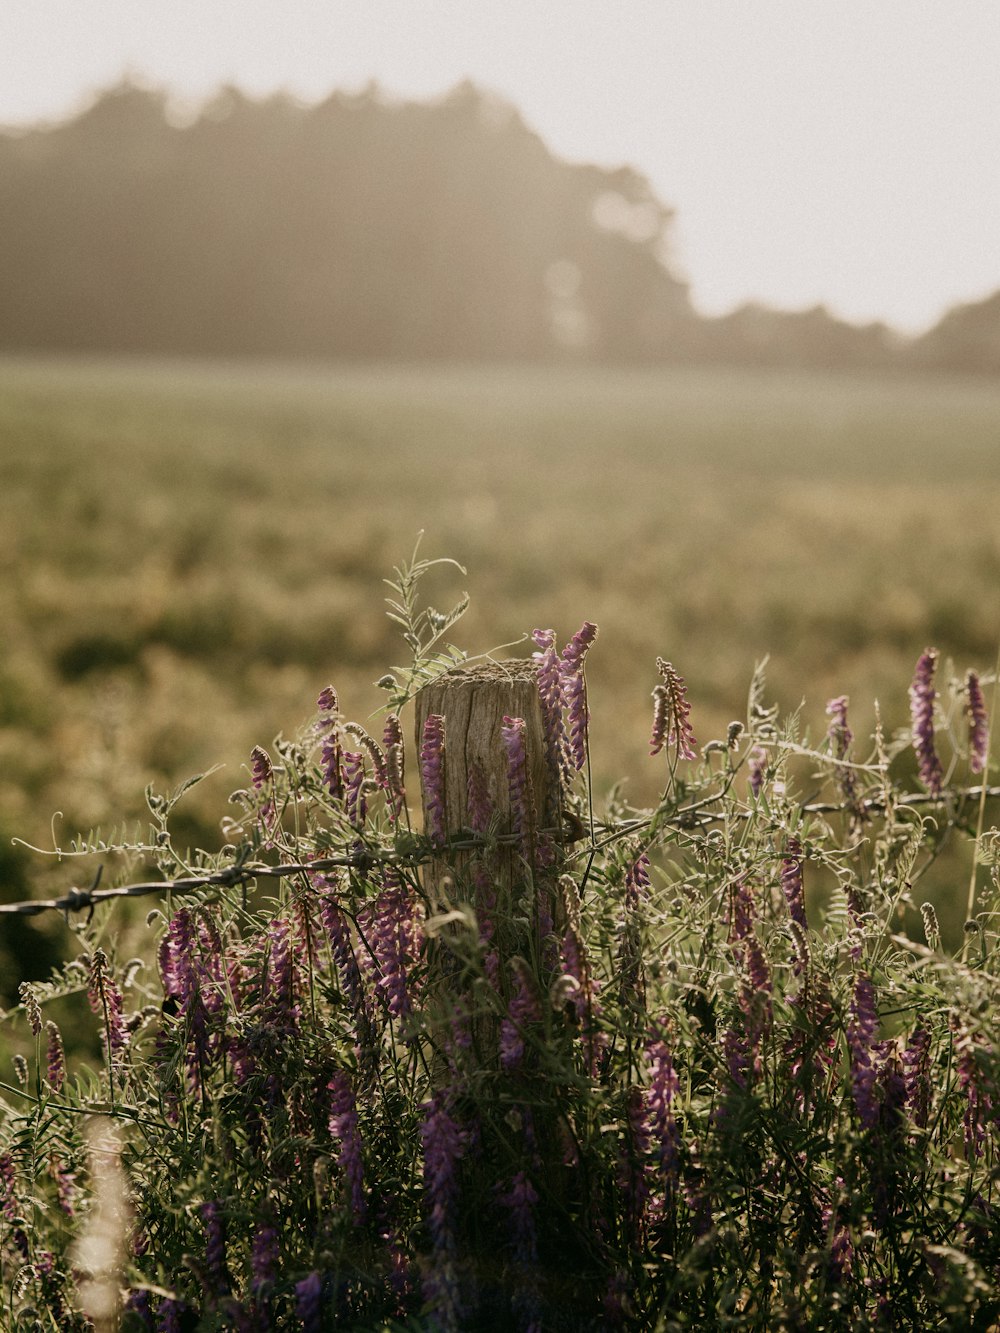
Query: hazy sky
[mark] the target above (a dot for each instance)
(845, 151)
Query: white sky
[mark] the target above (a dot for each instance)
(845, 151)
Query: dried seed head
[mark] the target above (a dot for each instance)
(932, 931)
(31, 1008)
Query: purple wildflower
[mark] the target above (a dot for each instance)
(518, 777)
(65, 1180)
(520, 1200)
(791, 882)
(176, 955)
(106, 1002)
(395, 939)
(922, 697)
(260, 767)
(574, 691)
(861, 1030)
(742, 910)
(281, 975)
(343, 1124)
(8, 1188)
(138, 1304)
(432, 761)
(215, 1247)
(342, 948)
(663, 1135)
(56, 1065)
(671, 713)
(978, 1104)
(10, 1205)
(840, 736)
(550, 692)
(264, 1256)
(171, 1314)
(329, 706)
(522, 1011)
(979, 727)
(839, 732)
(637, 881)
(309, 1302)
(757, 769)
(633, 1165)
(443, 1144)
(582, 1002)
(354, 784)
(916, 1076)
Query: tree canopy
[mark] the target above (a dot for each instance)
(366, 228)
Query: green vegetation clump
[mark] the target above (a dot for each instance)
(665, 1068)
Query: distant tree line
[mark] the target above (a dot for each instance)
(365, 228)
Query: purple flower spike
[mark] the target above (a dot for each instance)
(396, 937)
(861, 1029)
(328, 701)
(170, 1315)
(757, 768)
(550, 692)
(840, 736)
(354, 781)
(791, 882)
(215, 1247)
(309, 1303)
(518, 776)
(663, 1134)
(922, 697)
(839, 733)
(443, 1144)
(9, 1205)
(979, 727)
(432, 760)
(264, 1257)
(344, 1129)
(523, 1010)
(574, 691)
(260, 767)
(978, 1107)
(916, 1076)
(637, 881)
(56, 1069)
(520, 1202)
(106, 1002)
(671, 711)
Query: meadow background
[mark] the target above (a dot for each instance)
(194, 549)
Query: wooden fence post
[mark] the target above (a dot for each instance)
(474, 702)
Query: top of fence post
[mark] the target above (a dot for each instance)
(474, 701)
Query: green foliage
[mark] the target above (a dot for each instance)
(686, 1071)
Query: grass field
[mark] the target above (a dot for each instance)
(193, 551)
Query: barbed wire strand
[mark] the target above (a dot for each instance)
(244, 872)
